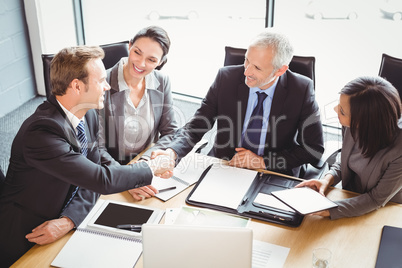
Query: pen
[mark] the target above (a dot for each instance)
(167, 189)
(271, 215)
(130, 227)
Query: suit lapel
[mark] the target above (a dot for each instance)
(347, 148)
(91, 121)
(277, 106)
(242, 99)
(155, 97)
(68, 128)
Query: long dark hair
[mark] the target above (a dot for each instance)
(160, 36)
(375, 109)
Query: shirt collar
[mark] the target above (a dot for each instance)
(151, 82)
(269, 91)
(70, 116)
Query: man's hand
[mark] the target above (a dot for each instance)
(162, 165)
(50, 231)
(168, 152)
(247, 159)
(145, 191)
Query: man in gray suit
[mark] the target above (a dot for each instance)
(289, 133)
(57, 170)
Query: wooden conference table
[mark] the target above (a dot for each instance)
(353, 242)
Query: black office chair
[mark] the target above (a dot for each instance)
(299, 64)
(391, 69)
(113, 53)
(2, 179)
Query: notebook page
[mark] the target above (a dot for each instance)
(224, 186)
(88, 249)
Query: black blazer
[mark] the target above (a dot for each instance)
(294, 137)
(45, 162)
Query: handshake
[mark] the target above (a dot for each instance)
(162, 163)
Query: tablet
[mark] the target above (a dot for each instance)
(113, 213)
(304, 200)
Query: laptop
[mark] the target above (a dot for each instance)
(196, 246)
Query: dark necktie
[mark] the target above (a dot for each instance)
(82, 138)
(252, 135)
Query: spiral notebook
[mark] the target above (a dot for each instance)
(97, 244)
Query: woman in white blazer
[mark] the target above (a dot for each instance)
(369, 109)
(139, 106)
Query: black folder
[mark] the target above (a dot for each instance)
(390, 250)
(249, 206)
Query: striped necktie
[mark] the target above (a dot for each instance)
(82, 138)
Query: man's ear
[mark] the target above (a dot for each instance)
(281, 70)
(77, 86)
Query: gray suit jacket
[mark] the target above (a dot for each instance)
(381, 180)
(113, 114)
(294, 135)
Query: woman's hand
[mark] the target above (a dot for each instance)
(318, 185)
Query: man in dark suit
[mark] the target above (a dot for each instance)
(56, 170)
(289, 133)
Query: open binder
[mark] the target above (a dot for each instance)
(245, 193)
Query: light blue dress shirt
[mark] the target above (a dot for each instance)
(252, 102)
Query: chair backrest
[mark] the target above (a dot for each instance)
(300, 64)
(391, 69)
(113, 53)
(2, 178)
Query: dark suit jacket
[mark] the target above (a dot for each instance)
(294, 135)
(45, 162)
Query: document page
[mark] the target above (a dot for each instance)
(185, 174)
(270, 201)
(266, 255)
(207, 217)
(304, 200)
(224, 186)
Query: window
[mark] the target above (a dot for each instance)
(347, 37)
(199, 31)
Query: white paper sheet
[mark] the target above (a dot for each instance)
(304, 200)
(271, 201)
(185, 174)
(266, 255)
(89, 249)
(224, 186)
